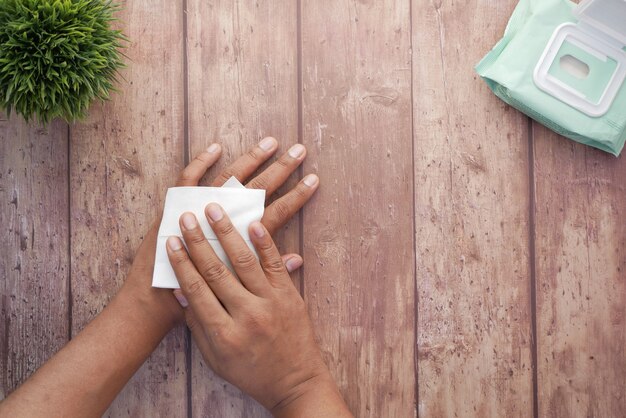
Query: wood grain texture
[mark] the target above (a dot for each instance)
(581, 271)
(123, 158)
(34, 254)
(358, 243)
(243, 86)
(471, 215)
(424, 188)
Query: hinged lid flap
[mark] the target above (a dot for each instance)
(608, 16)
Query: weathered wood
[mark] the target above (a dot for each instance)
(34, 254)
(122, 160)
(471, 216)
(243, 86)
(358, 240)
(581, 286)
(467, 169)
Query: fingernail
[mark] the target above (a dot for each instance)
(293, 264)
(267, 144)
(181, 298)
(311, 180)
(214, 211)
(174, 243)
(257, 229)
(189, 221)
(296, 151)
(213, 148)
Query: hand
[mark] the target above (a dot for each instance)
(138, 284)
(255, 331)
(84, 377)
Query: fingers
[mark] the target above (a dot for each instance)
(280, 211)
(191, 175)
(271, 261)
(276, 174)
(248, 163)
(207, 264)
(292, 262)
(240, 255)
(193, 286)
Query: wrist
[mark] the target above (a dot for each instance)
(155, 304)
(316, 397)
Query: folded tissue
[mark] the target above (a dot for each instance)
(564, 65)
(242, 205)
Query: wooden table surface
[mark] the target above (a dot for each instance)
(461, 260)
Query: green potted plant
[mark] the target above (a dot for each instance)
(57, 56)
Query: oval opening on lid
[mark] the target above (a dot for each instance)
(574, 66)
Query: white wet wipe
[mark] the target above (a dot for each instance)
(242, 205)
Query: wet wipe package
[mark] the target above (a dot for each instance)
(564, 65)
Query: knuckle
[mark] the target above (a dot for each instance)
(245, 260)
(274, 266)
(272, 221)
(284, 162)
(187, 175)
(227, 173)
(300, 192)
(231, 341)
(226, 338)
(225, 228)
(196, 288)
(265, 244)
(195, 238)
(254, 154)
(282, 209)
(179, 257)
(260, 182)
(213, 271)
(203, 158)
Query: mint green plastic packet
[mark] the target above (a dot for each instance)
(564, 65)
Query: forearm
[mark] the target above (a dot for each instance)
(85, 376)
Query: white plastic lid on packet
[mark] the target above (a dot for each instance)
(584, 64)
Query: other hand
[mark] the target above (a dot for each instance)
(253, 328)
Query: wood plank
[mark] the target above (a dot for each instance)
(123, 158)
(243, 84)
(358, 241)
(34, 255)
(581, 267)
(472, 220)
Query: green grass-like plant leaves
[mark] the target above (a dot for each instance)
(57, 56)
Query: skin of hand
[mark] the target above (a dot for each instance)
(84, 377)
(253, 328)
(279, 212)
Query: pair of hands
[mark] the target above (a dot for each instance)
(278, 213)
(254, 332)
(252, 329)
